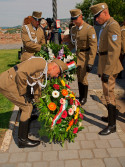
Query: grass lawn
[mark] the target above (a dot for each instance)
(8, 58)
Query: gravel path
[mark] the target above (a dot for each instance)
(10, 46)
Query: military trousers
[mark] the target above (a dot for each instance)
(8, 87)
(108, 90)
(82, 75)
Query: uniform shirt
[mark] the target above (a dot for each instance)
(32, 67)
(84, 38)
(110, 43)
(32, 39)
(123, 39)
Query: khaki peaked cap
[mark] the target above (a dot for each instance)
(75, 13)
(37, 14)
(61, 64)
(96, 9)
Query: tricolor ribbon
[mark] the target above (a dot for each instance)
(58, 116)
(71, 65)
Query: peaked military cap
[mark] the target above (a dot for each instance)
(98, 8)
(37, 15)
(75, 13)
(63, 66)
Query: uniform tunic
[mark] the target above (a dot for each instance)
(32, 40)
(13, 83)
(85, 40)
(123, 39)
(109, 52)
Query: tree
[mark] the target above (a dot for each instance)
(116, 9)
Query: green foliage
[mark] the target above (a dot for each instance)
(116, 9)
(58, 132)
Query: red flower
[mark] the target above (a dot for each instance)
(64, 56)
(75, 121)
(81, 116)
(67, 86)
(64, 114)
(56, 86)
(71, 101)
(59, 121)
(75, 130)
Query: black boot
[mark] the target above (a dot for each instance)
(111, 128)
(23, 140)
(83, 91)
(35, 113)
(105, 119)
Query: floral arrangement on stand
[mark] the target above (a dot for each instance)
(62, 52)
(61, 114)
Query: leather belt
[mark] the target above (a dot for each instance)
(15, 68)
(103, 53)
(83, 50)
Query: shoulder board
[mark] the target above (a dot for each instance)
(123, 29)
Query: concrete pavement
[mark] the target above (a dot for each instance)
(89, 149)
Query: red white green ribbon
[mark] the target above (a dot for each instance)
(58, 116)
(71, 65)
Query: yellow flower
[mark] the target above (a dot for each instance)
(68, 128)
(71, 95)
(77, 113)
(63, 82)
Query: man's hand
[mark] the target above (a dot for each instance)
(88, 68)
(105, 78)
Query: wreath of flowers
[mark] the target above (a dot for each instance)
(61, 114)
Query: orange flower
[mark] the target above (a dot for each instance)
(52, 106)
(71, 122)
(64, 92)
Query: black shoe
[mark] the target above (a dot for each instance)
(23, 140)
(27, 143)
(83, 91)
(111, 128)
(108, 130)
(104, 119)
(83, 101)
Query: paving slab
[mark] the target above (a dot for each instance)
(89, 149)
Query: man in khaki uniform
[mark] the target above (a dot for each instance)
(122, 55)
(14, 83)
(109, 64)
(32, 36)
(83, 37)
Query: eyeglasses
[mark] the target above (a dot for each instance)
(36, 19)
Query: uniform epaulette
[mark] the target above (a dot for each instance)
(123, 29)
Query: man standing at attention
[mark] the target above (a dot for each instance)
(32, 36)
(109, 64)
(83, 37)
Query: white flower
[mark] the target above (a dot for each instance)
(51, 56)
(80, 124)
(55, 94)
(71, 57)
(74, 107)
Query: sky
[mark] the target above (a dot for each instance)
(12, 12)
